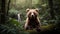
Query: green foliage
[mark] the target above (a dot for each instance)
(13, 11)
(12, 27)
(14, 21)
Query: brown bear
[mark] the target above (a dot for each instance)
(32, 20)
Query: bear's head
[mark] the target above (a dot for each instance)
(32, 13)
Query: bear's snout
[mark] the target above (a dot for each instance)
(32, 15)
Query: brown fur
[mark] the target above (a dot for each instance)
(32, 22)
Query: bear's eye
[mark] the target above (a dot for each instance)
(34, 13)
(30, 13)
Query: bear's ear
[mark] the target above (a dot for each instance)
(37, 9)
(27, 10)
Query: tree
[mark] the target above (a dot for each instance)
(4, 10)
(51, 8)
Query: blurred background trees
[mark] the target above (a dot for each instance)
(49, 13)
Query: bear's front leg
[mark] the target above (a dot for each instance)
(26, 27)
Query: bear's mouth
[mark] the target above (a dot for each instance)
(32, 18)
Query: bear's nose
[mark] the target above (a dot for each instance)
(32, 14)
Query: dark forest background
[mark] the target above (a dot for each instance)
(49, 14)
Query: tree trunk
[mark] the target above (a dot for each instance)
(51, 8)
(4, 11)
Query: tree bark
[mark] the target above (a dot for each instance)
(51, 8)
(4, 11)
